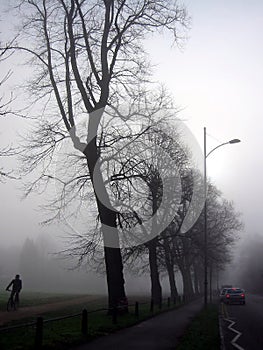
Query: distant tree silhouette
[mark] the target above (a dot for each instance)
(4, 110)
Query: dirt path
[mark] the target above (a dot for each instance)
(34, 311)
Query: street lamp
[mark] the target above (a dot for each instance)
(205, 208)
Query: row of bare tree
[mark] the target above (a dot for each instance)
(150, 181)
(103, 134)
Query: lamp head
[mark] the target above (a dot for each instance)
(234, 141)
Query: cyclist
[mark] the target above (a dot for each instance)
(16, 288)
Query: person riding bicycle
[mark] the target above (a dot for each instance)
(16, 288)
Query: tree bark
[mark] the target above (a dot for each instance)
(156, 289)
(112, 252)
(196, 281)
(170, 270)
(211, 282)
(187, 282)
(173, 289)
(200, 276)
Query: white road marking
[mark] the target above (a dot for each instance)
(238, 334)
(222, 340)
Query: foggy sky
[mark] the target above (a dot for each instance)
(217, 80)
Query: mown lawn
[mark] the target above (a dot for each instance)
(36, 298)
(203, 332)
(61, 334)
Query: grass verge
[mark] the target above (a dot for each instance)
(203, 332)
(62, 334)
(37, 298)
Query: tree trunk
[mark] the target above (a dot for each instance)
(173, 289)
(210, 282)
(115, 280)
(200, 276)
(112, 253)
(187, 282)
(113, 258)
(156, 289)
(196, 282)
(170, 270)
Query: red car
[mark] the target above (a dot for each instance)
(234, 295)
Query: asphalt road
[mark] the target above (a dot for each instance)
(246, 322)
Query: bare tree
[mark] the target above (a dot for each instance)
(185, 252)
(223, 226)
(5, 110)
(86, 56)
(162, 169)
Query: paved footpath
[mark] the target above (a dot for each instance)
(158, 333)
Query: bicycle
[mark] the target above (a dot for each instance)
(12, 304)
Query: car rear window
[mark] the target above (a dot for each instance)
(234, 291)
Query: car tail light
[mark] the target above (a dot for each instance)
(243, 295)
(227, 295)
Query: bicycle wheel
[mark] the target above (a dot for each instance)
(16, 303)
(9, 305)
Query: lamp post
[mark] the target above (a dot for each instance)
(205, 209)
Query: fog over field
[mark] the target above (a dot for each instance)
(42, 269)
(216, 80)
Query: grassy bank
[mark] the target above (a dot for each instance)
(37, 298)
(61, 334)
(202, 333)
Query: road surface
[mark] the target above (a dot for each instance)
(242, 325)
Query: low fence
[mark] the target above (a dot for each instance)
(40, 323)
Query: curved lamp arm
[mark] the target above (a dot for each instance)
(222, 144)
